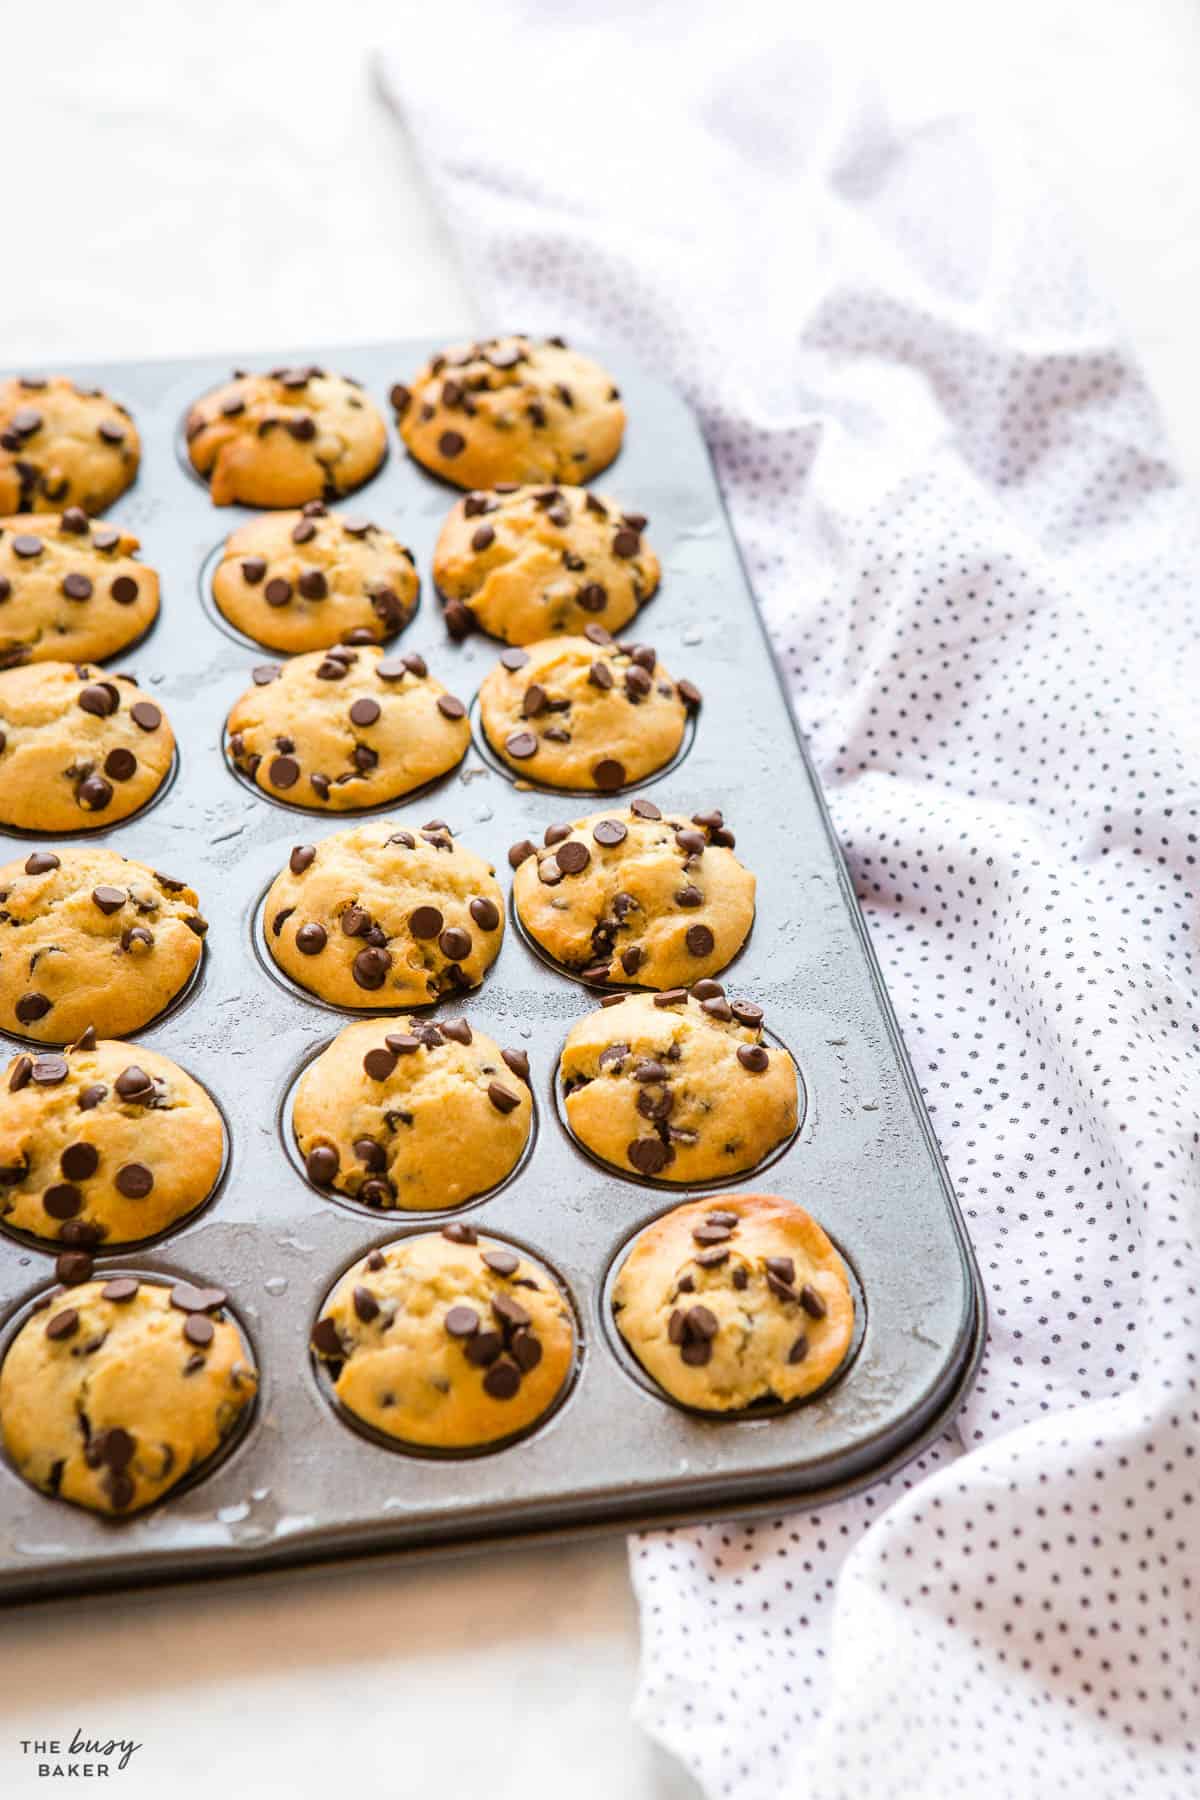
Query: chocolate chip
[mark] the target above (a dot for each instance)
(26, 545)
(519, 852)
(461, 1321)
(799, 1349)
(284, 772)
(460, 1234)
(400, 396)
(689, 693)
(609, 832)
(76, 586)
(370, 967)
(364, 712)
(253, 569)
(94, 793)
(145, 715)
(321, 1164)
(518, 1062)
(501, 1262)
(63, 1324)
(100, 701)
(608, 773)
(198, 1330)
(366, 1306)
(521, 744)
(19, 1074)
(450, 706)
(700, 940)
(753, 1057)
(187, 1297)
(502, 1098)
(90, 1097)
(31, 1007)
(62, 1200)
(137, 940)
(302, 857)
(124, 590)
(451, 443)
(134, 1180)
(455, 943)
(120, 764)
(746, 1013)
(48, 1071)
(514, 659)
(134, 1084)
(812, 1302)
(41, 862)
(482, 537)
(573, 857)
(379, 1064)
(425, 922)
(502, 1379)
(649, 1156)
(73, 1267)
(79, 1161)
(120, 1290)
(326, 1341)
(626, 543)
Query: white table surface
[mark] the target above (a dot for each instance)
(208, 176)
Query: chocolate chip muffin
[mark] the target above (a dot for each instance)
(70, 591)
(385, 917)
(342, 729)
(511, 409)
(636, 895)
(448, 1339)
(79, 749)
(525, 563)
(679, 1086)
(731, 1302)
(583, 712)
(307, 580)
(89, 937)
(62, 445)
(113, 1391)
(104, 1143)
(412, 1113)
(284, 438)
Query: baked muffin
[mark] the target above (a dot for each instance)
(574, 713)
(412, 1113)
(79, 749)
(70, 591)
(525, 563)
(62, 445)
(511, 409)
(384, 917)
(104, 1143)
(342, 729)
(449, 1339)
(678, 1085)
(731, 1302)
(92, 938)
(635, 895)
(286, 437)
(306, 580)
(112, 1392)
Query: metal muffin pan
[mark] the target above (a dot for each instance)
(298, 1486)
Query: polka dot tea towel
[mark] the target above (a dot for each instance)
(980, 570)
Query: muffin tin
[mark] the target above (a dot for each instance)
(298, 1485)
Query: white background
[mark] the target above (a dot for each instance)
(222, 176)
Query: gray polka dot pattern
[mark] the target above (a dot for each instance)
(979, 569)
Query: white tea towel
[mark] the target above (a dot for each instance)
(980, 571)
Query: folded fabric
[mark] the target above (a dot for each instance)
(978, 567)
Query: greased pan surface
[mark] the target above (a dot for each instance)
(299, 1484)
